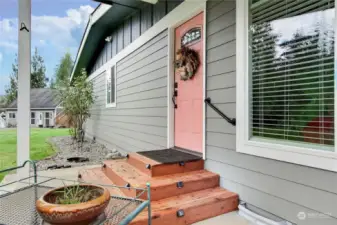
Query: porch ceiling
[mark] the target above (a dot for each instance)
(101, 22)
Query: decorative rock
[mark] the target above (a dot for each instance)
(114, 150)
(113, 155)
(67, 147)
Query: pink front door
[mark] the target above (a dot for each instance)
(188, 128)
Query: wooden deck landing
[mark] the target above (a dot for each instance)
(180, 186)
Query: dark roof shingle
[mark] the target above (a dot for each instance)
(40, 98)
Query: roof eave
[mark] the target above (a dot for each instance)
(105, 16)
(93, 18)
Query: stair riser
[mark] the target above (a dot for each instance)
(193, 214)
(119, 181)
(166, 191)
(167, 169)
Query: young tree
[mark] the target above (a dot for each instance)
(63, 71)
(77, 99)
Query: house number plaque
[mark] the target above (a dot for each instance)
(191, 36)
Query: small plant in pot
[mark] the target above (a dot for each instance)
(76, 204)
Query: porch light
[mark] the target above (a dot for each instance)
(108, 39)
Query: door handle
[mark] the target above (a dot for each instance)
(175, 94)
(174, 101)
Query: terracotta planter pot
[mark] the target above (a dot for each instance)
(76, 214)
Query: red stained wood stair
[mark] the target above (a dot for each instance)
(179, 186)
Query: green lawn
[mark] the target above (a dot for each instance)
(39, 147)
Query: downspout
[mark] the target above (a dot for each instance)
(257, 219)
(23, 114)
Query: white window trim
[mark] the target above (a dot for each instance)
(12, 113)
(51, 118)
(108, 75)
(31, 118)
(274, 150)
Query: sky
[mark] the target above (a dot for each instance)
(57, 28)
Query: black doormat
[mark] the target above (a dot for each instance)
(168, 156)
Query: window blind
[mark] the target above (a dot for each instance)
(292, 70)
(108, 90)
(111, 87)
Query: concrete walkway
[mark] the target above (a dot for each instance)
(232, 218)
(71, 174)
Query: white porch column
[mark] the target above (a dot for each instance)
(23, 114)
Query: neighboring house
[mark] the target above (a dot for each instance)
(3, 122)
(45, 106)
(2, 103)
(269, 64)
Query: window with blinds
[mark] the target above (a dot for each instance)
(291, 44)
(111, 99)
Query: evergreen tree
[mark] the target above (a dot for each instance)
(38, 71)
(38, 76)
(11, 90)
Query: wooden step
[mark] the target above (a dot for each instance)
(97, 176)
(154, 168)
(197, 206)
(121, 173)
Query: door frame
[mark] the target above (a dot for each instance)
(170, 78)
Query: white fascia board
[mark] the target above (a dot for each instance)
(99, 12)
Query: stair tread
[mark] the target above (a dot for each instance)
(138, 179)
(144, 159)
(97, 176)
(185, 201)
(129, 173)
(159, 169)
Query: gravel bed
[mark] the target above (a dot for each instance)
(66, 147)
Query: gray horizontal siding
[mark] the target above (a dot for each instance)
(139, 122)
(281, 188)
(130, 29)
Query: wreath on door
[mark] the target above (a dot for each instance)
(187, 63)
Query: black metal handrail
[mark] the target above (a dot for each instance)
(229, 120)
(31, 162)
